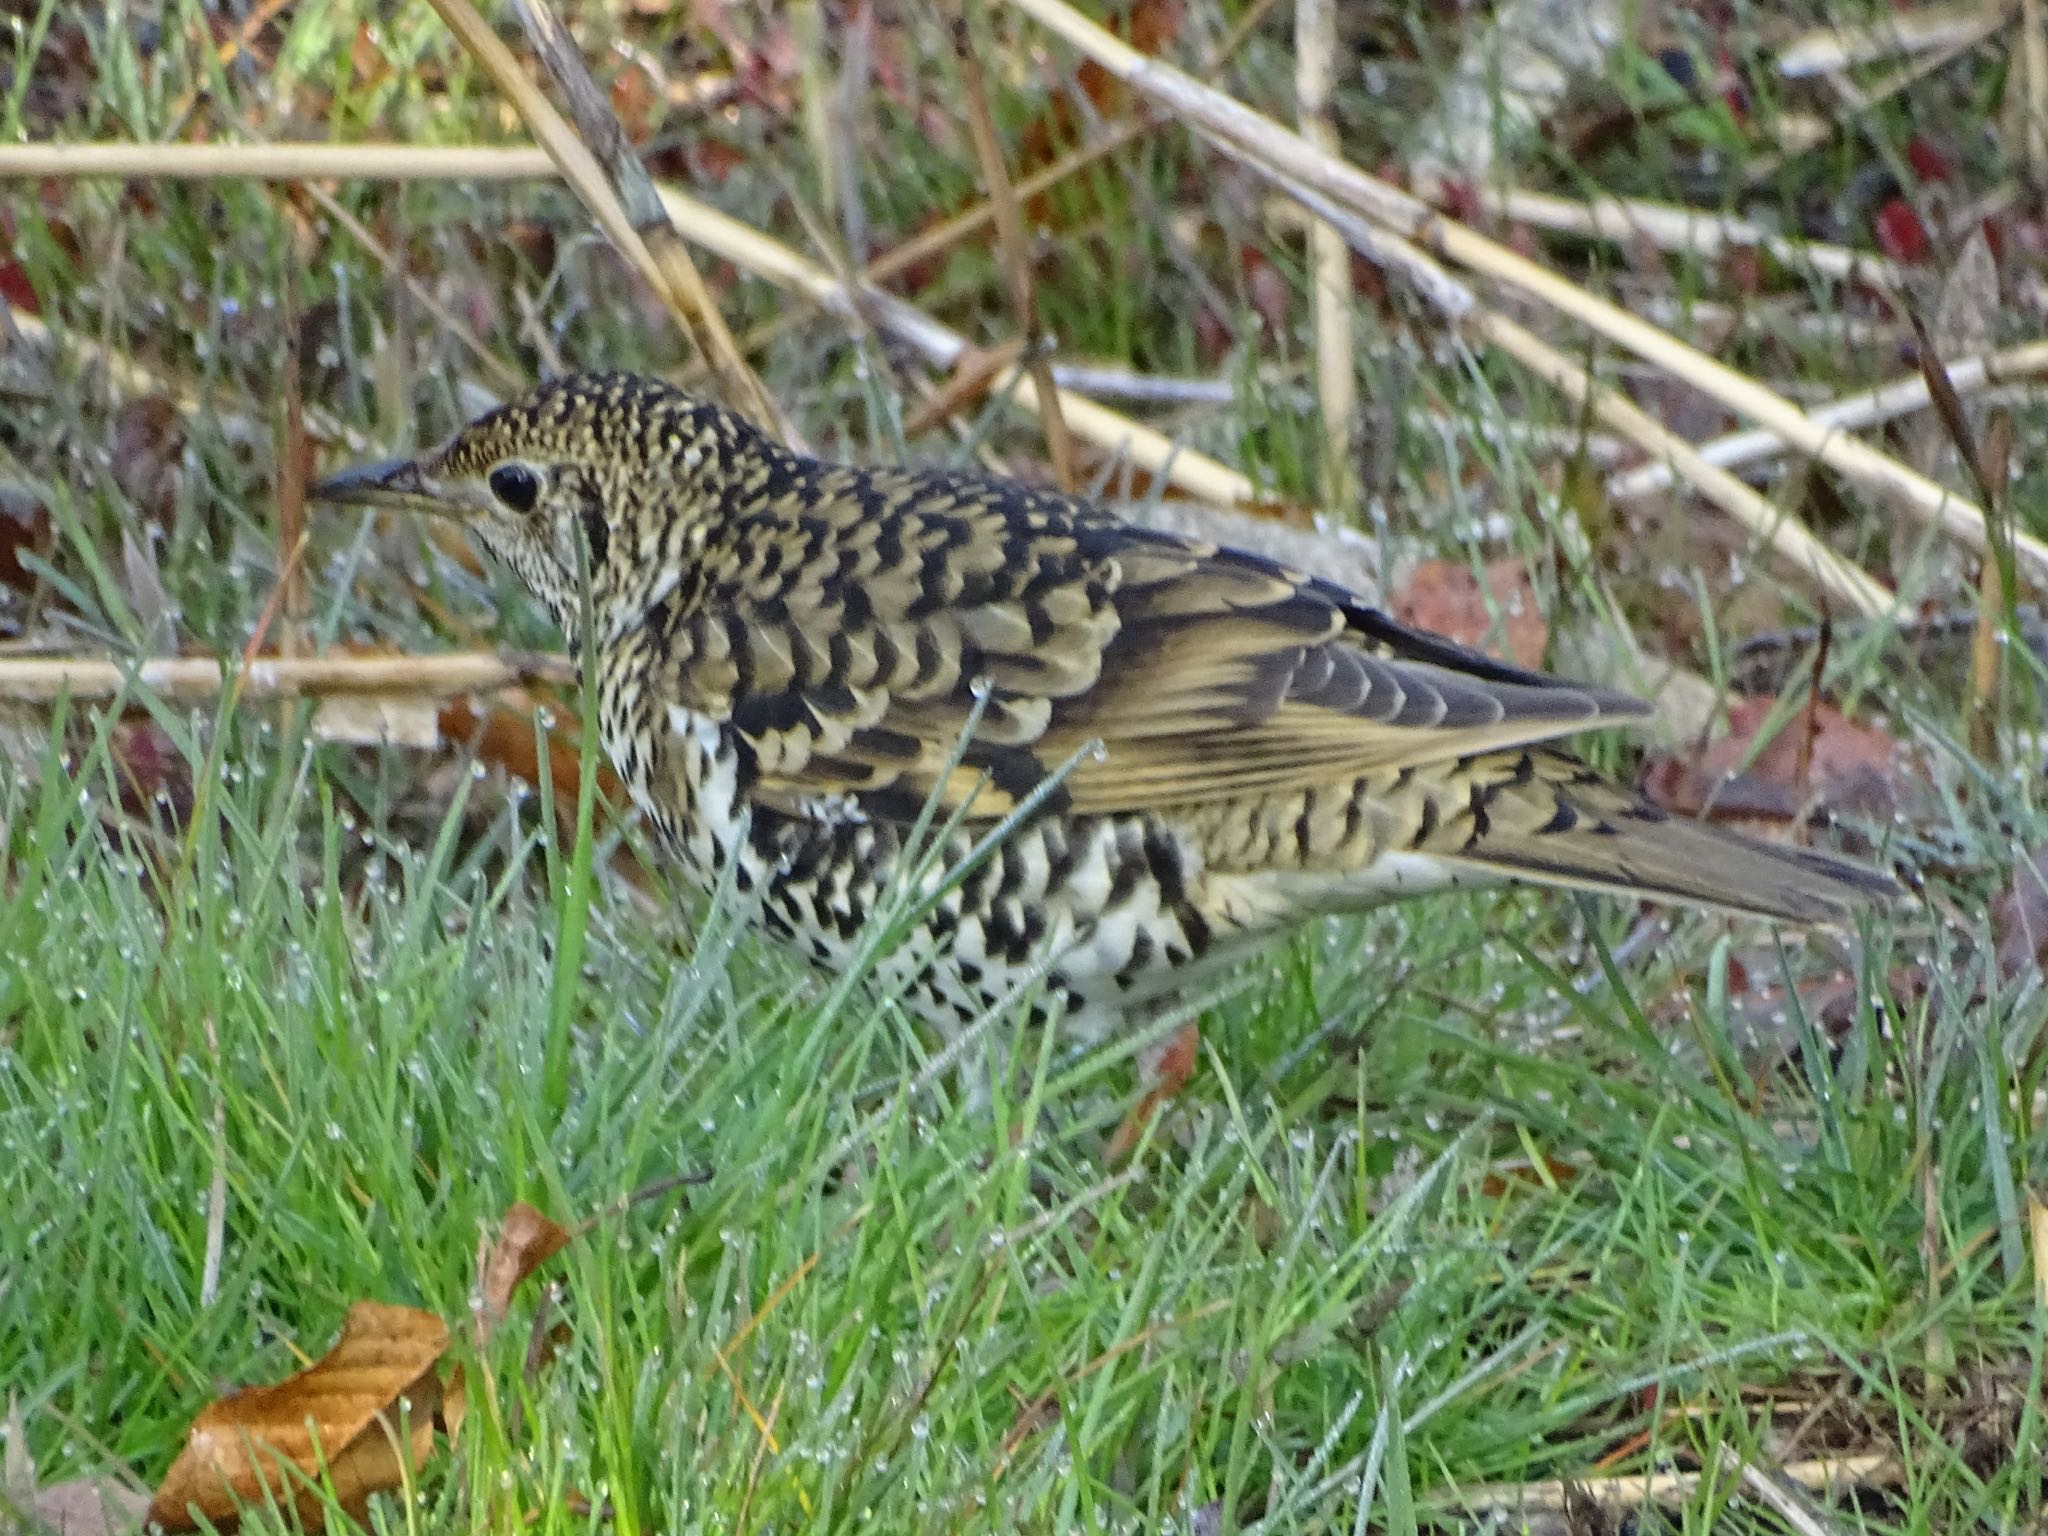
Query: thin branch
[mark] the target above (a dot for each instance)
(1315, 48)
(627, 178)
(277, 162)
(1851, 413)
(1016, 254)
(1689, 231)
(1929, 28)
(1823, 1474)
(45, 679)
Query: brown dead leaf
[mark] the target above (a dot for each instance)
(503, 732)
(1847, 767)
(525, 1242)
(24, 530)
(153, 777)
(148, 453)
(340, 1417)
(1444, 596)
(2019, 917)
(80, 1506)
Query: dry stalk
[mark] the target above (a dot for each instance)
(1015, 247)
(599, 127)
(1828, 1475)
(1925, 29)
(196, 679)
(1851, 413)
(1687, 231)
(277, 162)
(1315, 49)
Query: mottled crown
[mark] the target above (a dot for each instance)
(602, 418)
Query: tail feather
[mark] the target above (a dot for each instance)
(1547, 819)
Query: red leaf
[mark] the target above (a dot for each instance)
(1444, 596)
(1900, 234)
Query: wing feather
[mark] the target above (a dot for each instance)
(1202, 673)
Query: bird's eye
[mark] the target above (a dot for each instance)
(517, 486)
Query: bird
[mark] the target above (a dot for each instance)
(1154, 755)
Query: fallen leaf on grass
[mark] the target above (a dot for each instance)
(1819, 761)
(147, 456)
(25, 530)
(525, 1242)
(81, 1506)
(2019, 916)
(1446, 597)
(340, 1419)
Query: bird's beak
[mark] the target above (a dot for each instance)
(399, 484)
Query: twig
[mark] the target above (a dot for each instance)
(1315, 49)
(44, 679)
(1012, 241)
(1792, 1507)
(1925, 29)
(1851, 413)
(1827, 1474)
(1274, 151)
(1691, 231)
(601, 130)
(278, 162)
(1987, 655)
(2032, 90)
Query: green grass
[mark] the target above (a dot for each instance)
(1490, 1190)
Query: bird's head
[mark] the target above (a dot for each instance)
(626, 468)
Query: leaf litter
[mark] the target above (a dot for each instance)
(365, 1418)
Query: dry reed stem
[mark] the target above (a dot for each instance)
(1014, 246)
(1851, 413)
(278, 162)
(194, 679)
(1828, 1474)
(1329, 265)
(1926, 29)
(1690, 231)
(629, 184)
(1276, 152)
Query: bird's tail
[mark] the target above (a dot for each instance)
(1546, 818)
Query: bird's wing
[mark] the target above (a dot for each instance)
(974, 645)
